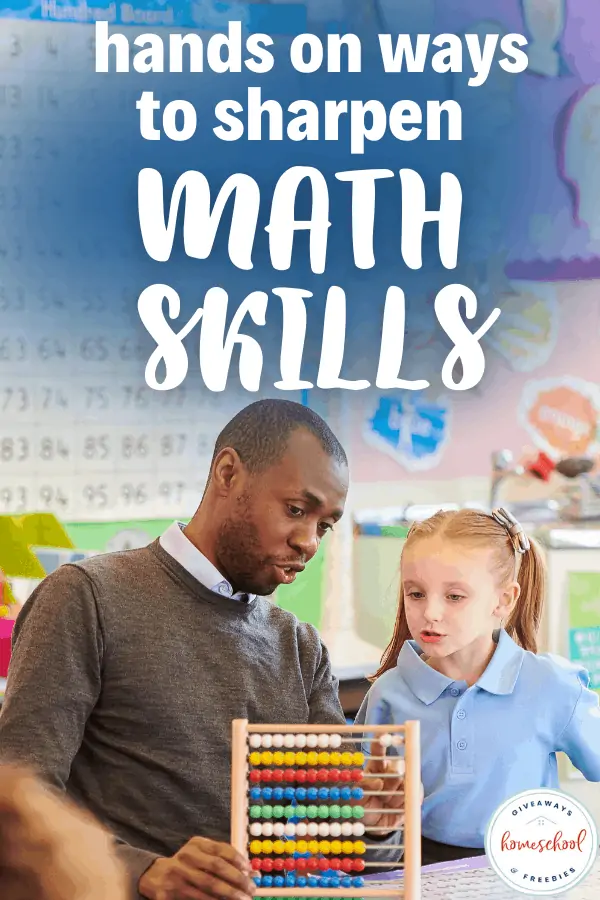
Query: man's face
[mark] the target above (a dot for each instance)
(276, 519)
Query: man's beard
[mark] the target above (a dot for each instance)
(239, 554)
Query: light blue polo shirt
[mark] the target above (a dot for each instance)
(483, 744)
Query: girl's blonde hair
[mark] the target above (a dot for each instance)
(478, 529)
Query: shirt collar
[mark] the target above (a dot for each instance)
(177, 545)
(428, 685)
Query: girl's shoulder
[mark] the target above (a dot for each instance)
(556, 673)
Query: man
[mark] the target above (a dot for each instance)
(128, 668)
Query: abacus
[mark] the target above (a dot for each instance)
(296, 812)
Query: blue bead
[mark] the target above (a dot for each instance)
(301, 794)
(301, 881)
(290, 880)
(289, 794)
(279, 881)
(278, 794)
(312, 794)
(267, 794)
(324, 882)
(359, 881)
(312, 881)
(346, 881)
(346, 793)
(357, 793)
(256, 880)
(323, 793)
(335, 882)
(267, 881)
(256, 794)
(335, 794)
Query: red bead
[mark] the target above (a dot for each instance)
(300, 776)
(289, 775)
(301, 865)
(256, 864)
(322, 775)
(345, 775)
(267, 775)
(277, 774)
(254, 776)
(335, 864)
(311, 776)
(312, 864)
(334, 775)
(357, 775)
(323, 864)
(290, 864)
(346, 865)
(358, 865)
(278, 864)
(267, 865)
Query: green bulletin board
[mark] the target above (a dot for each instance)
(584, 623)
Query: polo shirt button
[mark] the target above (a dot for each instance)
(224, 589)
(461, 714)
(455, 692)
(462, 745)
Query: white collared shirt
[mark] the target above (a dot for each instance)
(193, 561)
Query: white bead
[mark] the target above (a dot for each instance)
(267, 741)
(256, 829)
(290, 829)
(267, 829)
(323, 740)
(300, 740)
(279, 829)
(397, 740)
(347, 829)
(358, 829)
(312, 740)
(289, 740)
(385, 740)
(335, 829)
(323, 829)
(254, 740)
(301, 829)
(335, 740)
(277, 740)
(313, 829)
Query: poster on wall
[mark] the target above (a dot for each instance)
(527, 331)
(412, 430)
(562, 415)
(584, 623)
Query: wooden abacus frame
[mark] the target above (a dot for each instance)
(411, 881)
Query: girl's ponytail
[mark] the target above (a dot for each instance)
(524, 621)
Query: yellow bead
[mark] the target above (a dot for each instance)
(278, 758)
(279, 847)
(347, 759)
(256, 847)
(324, 847)
(323, 759)
(360, 847)
(335, 758)
(313, 847)
(289, 759)
(301, 759)
(358, 759)
(266, 758)
(347, 847)
(312, 758)
(267, 846)
(302, 847)
(336, 847)
(255, 759)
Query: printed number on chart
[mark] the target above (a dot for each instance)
(14, 400)
(96, 447)
(14, 449)
(14, 499)
(51, 497)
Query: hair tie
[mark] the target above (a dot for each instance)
(515, 531)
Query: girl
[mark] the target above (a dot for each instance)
(463, 661)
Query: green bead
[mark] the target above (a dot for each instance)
(335, 812)
(267, 812)
(346, 812)
(312, 812)
(255, 812)
(278, 812)
(300, 812)
(358, 812)
(323, 812)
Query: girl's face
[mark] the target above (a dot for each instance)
(452, 597)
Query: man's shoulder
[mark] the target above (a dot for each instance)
(117, 562)
(288, 623)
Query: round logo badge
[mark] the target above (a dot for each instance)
(542, 842)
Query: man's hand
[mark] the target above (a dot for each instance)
(201, 870)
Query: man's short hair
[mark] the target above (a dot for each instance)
(260, 433)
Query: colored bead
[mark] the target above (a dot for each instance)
(279, 847)
(336, 847)
(324, 740)
(290, 829)
(385, 740)
(302, 846)
(290, 847)
(256, 864)
(357, 775)
(312, 758)
(300, 794)
(267, 794)
(358, 829)
(277, 774)
(358, 812)
(397, 740)
(357, 793)
(301, 865)
(267, 881)
(360, 847)
(335, 829)
(312, 740)
(266, 758)
(311, 776)
(301, 812)
(255, 847)
(335, 759)
(266, 774)
(312, 794)
(289, 775)
(277, 794)
(278, 829)
(323, 865)
(323, 812)
(278, 740)
(278, 812)
(266, 741)
(334, 882)
(289, 740)
(346, 865)
(347, 759)
(358, 759)
(334, 794)
(335, 811)
(255, 794)
(335, 740)
(254, 740)
(323, 758)
(323, 829)
(348, 847)
(358, 882)
(256, 829)
(278, 865)
(267, 829)
(345, 775)
(277, 758)
(300, 740)
(347, 829)
(313, 882)
(267, 847)
(346, 793)
(289, 758)
(255, 759)
(311, 812)
(323, 793)
(289, 793)
(322, 775)
(324, 882)
(301, 829)
(346, 882)
(313, 829)
(301, 881)
(257, 880)
(335, 863)
(279, 881)
(358, 865)
(254, 776)
(266, 812)
(267, 865)
(301, 758)
(313, 847)
(288, 812)
(255, 812)
(300, 776)
(334, 774)
(324, 847)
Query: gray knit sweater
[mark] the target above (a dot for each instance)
(125, 677)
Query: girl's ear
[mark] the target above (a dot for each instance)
(507, 601)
